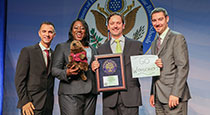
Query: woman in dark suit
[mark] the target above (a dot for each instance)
(76, 97)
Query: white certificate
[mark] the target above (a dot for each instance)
(110, 80)
(144, 66)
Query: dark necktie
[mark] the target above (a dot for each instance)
(48, 58)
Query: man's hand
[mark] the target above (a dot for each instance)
(71, 71)
(159, 63)
(95, 65)
(28, 109)
(173, 101)
(152, 101)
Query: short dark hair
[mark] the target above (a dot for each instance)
(159, 9)
(113, 14)
(85, 40)
(48, 23)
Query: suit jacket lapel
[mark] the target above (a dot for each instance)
(39, 53)
(126, 50)
(67, 51)
(93, 53)
(126, 47)
(164, 42)
(109, 50)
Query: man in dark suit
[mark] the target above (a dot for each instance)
(169, 91)
(121, 102)
(33, 80)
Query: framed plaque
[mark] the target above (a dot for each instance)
(110, 75)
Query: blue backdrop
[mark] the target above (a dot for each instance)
(2, 47)
(190, 17)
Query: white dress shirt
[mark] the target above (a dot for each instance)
(113, 44)
(44, 53)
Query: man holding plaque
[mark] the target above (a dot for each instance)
(125, 102)
(169, 91)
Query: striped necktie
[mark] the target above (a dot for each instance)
(158, 44)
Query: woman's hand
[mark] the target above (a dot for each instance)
(72, 70)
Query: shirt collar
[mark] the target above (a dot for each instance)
(42, 47)
(163, 35)
(122, 39)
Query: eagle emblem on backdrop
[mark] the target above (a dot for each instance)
(115, 6)
(137, 19)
